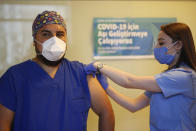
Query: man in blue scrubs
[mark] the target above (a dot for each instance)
(49, 92)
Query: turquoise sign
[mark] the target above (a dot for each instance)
(118, 38)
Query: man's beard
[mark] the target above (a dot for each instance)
(45, 61)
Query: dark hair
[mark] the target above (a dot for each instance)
(181, 32)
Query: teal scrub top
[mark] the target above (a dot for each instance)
(174, 109)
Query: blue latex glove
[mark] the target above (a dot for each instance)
(90, 70)
(102, 80)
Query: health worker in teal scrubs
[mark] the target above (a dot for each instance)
(170, 94)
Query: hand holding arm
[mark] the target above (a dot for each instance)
(90, 69)
(130, 104)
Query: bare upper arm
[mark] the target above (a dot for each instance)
(6, 118)
(99, 100)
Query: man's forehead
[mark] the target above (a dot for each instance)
(52, 28)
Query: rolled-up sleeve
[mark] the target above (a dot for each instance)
(174, 82)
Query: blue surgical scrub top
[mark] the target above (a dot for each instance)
(42, 103)
(174, 109)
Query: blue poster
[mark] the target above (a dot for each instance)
(118, 38)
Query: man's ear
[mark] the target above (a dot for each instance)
(33, 43)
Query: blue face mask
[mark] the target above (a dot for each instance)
(162, 56)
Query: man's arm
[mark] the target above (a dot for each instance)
(6, 118)
(101, 105)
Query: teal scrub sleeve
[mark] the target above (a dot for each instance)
(174, 82)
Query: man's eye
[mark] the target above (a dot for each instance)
(60, 35)
(46, 34)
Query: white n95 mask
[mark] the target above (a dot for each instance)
(53, 49)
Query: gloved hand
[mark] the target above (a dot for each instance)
(102, 80)
(90, 69)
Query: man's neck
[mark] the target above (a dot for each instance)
(51, 70)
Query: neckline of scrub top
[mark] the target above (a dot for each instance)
(184, 67)
(41, 70)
